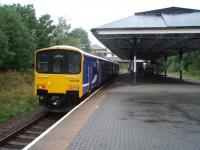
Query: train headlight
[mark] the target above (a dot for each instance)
(73, 87)
(41, 86)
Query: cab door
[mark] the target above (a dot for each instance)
(57, 80)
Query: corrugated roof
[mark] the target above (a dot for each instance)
(169, 10)
(136, 21)
(161, 18)
(182, 20)
(155, 33)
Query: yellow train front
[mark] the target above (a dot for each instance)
(64, 74)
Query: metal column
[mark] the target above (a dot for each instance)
(181, 63)
(134, 43)
(134, 69)
(165, 65)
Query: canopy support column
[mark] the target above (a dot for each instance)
(181, 63)
(165, 65)
(134, 45)
(134, 68)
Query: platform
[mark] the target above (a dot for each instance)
(157, 114)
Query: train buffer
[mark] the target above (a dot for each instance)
(159, 113)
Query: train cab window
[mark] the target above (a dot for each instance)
(74, 61)
(43, 64)
(58, 63)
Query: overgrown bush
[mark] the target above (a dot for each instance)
(191, 64)
(16, 92)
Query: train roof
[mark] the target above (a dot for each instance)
(67, 47)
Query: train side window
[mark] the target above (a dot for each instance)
(43, 64)
(74, 62)
(95, 66)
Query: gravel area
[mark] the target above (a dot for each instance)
(18, 122)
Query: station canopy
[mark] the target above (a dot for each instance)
(156, 33)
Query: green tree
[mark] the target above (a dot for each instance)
(72, 41)
(191, 63)
(3, 48)
(20, 42)
(79, 37)
(21, 32)
(28, 17)
(187, 61)
(173, 63)
(44, 31)
(61, 31)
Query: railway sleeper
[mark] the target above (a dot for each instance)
(33, 132)
(11, 146)
(17, 143)
(22, 139)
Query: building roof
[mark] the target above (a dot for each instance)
(160, 32)
(169, 10)
(161, 18)
(95, 46)
(99, 49)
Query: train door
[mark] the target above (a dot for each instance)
(99, 71)
(86, 75)
(90, 73)
(94, 73)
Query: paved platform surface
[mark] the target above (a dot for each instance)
(157, 114)
(60, 137)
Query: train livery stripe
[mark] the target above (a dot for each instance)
(95, 79)
(86, 84)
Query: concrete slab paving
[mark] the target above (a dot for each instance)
(157, 114)
(60, 137)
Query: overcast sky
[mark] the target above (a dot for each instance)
(92, 13)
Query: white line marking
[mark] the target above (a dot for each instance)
(55, 124)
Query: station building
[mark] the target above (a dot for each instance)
(152, 35)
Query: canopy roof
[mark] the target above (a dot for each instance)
(153, 33)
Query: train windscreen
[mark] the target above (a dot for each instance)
(58, 62)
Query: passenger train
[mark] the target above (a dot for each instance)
(64, 74)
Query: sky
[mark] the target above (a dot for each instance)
(93, 13)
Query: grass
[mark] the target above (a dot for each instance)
(16, 94)
(188, 75)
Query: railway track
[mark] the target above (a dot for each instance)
(22, 137)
